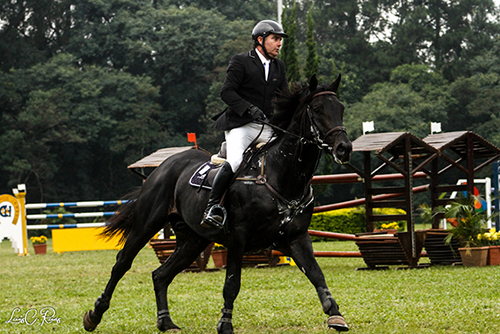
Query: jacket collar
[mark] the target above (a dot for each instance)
(253, 54)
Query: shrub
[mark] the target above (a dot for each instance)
(349, 221)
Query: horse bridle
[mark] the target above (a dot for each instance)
(318, 141)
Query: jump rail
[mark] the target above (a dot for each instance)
(84, 204)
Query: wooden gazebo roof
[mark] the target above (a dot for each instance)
(155, 159)
(392, 143)
(457, 142)
(397, 145)
(460, 150)
(375, 141)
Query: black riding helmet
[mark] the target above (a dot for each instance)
(264, 29)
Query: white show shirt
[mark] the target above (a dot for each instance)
(265, 63)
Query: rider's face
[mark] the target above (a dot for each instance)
(272, 44)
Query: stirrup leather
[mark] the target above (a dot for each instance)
(208, 219)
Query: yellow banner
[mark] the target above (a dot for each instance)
(82, 239)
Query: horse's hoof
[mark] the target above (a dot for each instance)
(87, 323)
(164, 325)
(225, 326)
(338, 323)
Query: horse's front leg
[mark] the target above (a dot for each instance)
(301, 250)
(231, 289)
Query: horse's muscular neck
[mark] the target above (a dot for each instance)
(293, 165)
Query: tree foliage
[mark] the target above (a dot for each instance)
(414, 97)
(289, 49)
(312, 55)
(72, 124)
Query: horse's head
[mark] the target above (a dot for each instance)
(325, 113)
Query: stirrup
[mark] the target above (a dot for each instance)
(208, 221)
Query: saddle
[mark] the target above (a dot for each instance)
(205, 175)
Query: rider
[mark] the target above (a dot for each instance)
(252, 80)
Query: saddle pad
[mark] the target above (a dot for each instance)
(204, 176)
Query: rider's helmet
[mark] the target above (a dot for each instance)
(266, 27)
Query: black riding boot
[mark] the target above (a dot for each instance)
(214, 215)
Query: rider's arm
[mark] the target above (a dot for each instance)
(229, 92)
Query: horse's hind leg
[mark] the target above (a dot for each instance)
(302, 253)
(135, 242)
(189, 246)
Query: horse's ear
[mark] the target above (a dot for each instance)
(335, 85)
(313, 83)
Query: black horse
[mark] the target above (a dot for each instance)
(271, 208)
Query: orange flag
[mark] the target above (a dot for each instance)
(192, 139)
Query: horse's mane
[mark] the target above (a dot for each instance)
(285, 103)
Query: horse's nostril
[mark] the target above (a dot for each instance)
(341, 149)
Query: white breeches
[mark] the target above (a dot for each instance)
(238, 139)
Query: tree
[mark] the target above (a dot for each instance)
(255, 10)
(312, 55)
(476, 98)
(442, 33)
(32, 31)
(289, 50)
(73, 130)
(175, 47)
(415, 97)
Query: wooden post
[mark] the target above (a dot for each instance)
(368, 191)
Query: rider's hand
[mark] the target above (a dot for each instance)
(256, 113)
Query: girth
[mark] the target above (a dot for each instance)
(288, 208)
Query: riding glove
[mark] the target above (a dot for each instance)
(256, 113)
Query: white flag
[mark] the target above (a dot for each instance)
(435, 127)
(368, 126)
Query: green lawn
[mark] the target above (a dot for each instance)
(272, 300)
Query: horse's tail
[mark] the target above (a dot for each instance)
(121, 223)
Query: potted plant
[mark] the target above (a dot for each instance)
(219, 255)
(39, 244)
(468, 226)
(492, 240)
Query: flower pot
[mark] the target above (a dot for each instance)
(493, 256)
(40, 248)
(220, 258)
(474, 256)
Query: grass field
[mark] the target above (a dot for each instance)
(272, 300)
